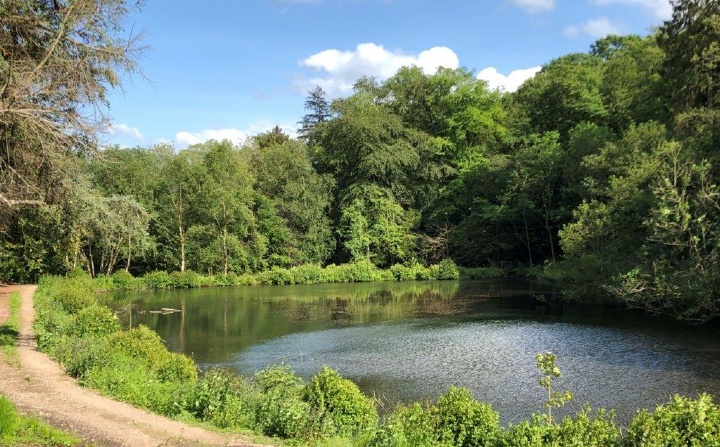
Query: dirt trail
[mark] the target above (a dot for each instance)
(40, 387)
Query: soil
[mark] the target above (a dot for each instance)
(41, 388)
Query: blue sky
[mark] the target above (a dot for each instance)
(235, 68)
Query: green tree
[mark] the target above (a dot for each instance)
(691, 40)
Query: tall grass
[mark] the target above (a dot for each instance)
(9, 330)
(19, 430)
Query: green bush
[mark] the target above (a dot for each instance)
(682, 422)
(95, 321)
(447, 269)
(186, 280)
(145, 345)
(123, 280)
(465, 422)
(584, 430)
(222, 398)
(80, 355)
(307, 274)
(282, 410)
(157, 280)
(343, 409)
(129, 379)
(74, 297)
(409, 426)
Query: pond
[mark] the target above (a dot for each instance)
(405, 342)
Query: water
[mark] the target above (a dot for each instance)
(405, 342)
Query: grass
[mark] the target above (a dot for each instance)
(10, 330)
(20, 430)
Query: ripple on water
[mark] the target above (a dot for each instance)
(419, 359)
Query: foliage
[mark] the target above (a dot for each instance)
(10, 328)
(20, 430)
(340, 405)
(682, 422)
(456, 419)
(222, 398)
(550, 372)
(583, 430)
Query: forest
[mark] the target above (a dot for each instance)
(600, 173)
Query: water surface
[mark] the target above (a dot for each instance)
(404, 342)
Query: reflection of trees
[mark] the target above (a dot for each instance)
(222, 321)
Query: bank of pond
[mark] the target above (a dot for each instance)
(323, 407)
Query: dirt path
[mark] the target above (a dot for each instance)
(40, 387)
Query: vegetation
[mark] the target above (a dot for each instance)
(599, 172)
(134, 366)
(18, 430)
(10, 329)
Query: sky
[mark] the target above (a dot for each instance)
(230, 69)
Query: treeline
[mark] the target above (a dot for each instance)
(328, 410)
(600, 172)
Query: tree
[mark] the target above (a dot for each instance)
(227, 199)
(285, 175)
(563, 94)
(691, 41)
(319, 112)
(58, 59)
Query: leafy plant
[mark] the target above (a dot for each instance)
(546, 365)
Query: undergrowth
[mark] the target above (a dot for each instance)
(328, 410)
(19, 430)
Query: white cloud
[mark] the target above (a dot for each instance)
(660, 9)
(596, 28)
(186, 138)
(236, 136)
(343, 68)
(533, 6)
(509, 83)
(124, 130)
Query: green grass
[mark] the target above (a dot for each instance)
(19, 430)
(9, 330)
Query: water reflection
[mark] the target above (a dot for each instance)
(410, 341)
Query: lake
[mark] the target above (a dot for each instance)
(404, 342)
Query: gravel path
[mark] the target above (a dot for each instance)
(40, 387)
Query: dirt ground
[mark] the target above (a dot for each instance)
(40, 387)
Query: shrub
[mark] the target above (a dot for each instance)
(157, 280)
(682, 422)
(73, 297)
(95, 321)
(80, 355)
(447, 269)
(129, 379)
(145, 345)
(343, 409)
(464, 421)
(282, 410)
(581, 431)
(186, 280)
(307, 274)
(123, 280)
(223, 398)
(408, 426)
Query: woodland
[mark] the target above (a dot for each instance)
(600, 173)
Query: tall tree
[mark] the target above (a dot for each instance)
(58, 59)
(318, 112)
(691, 40)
